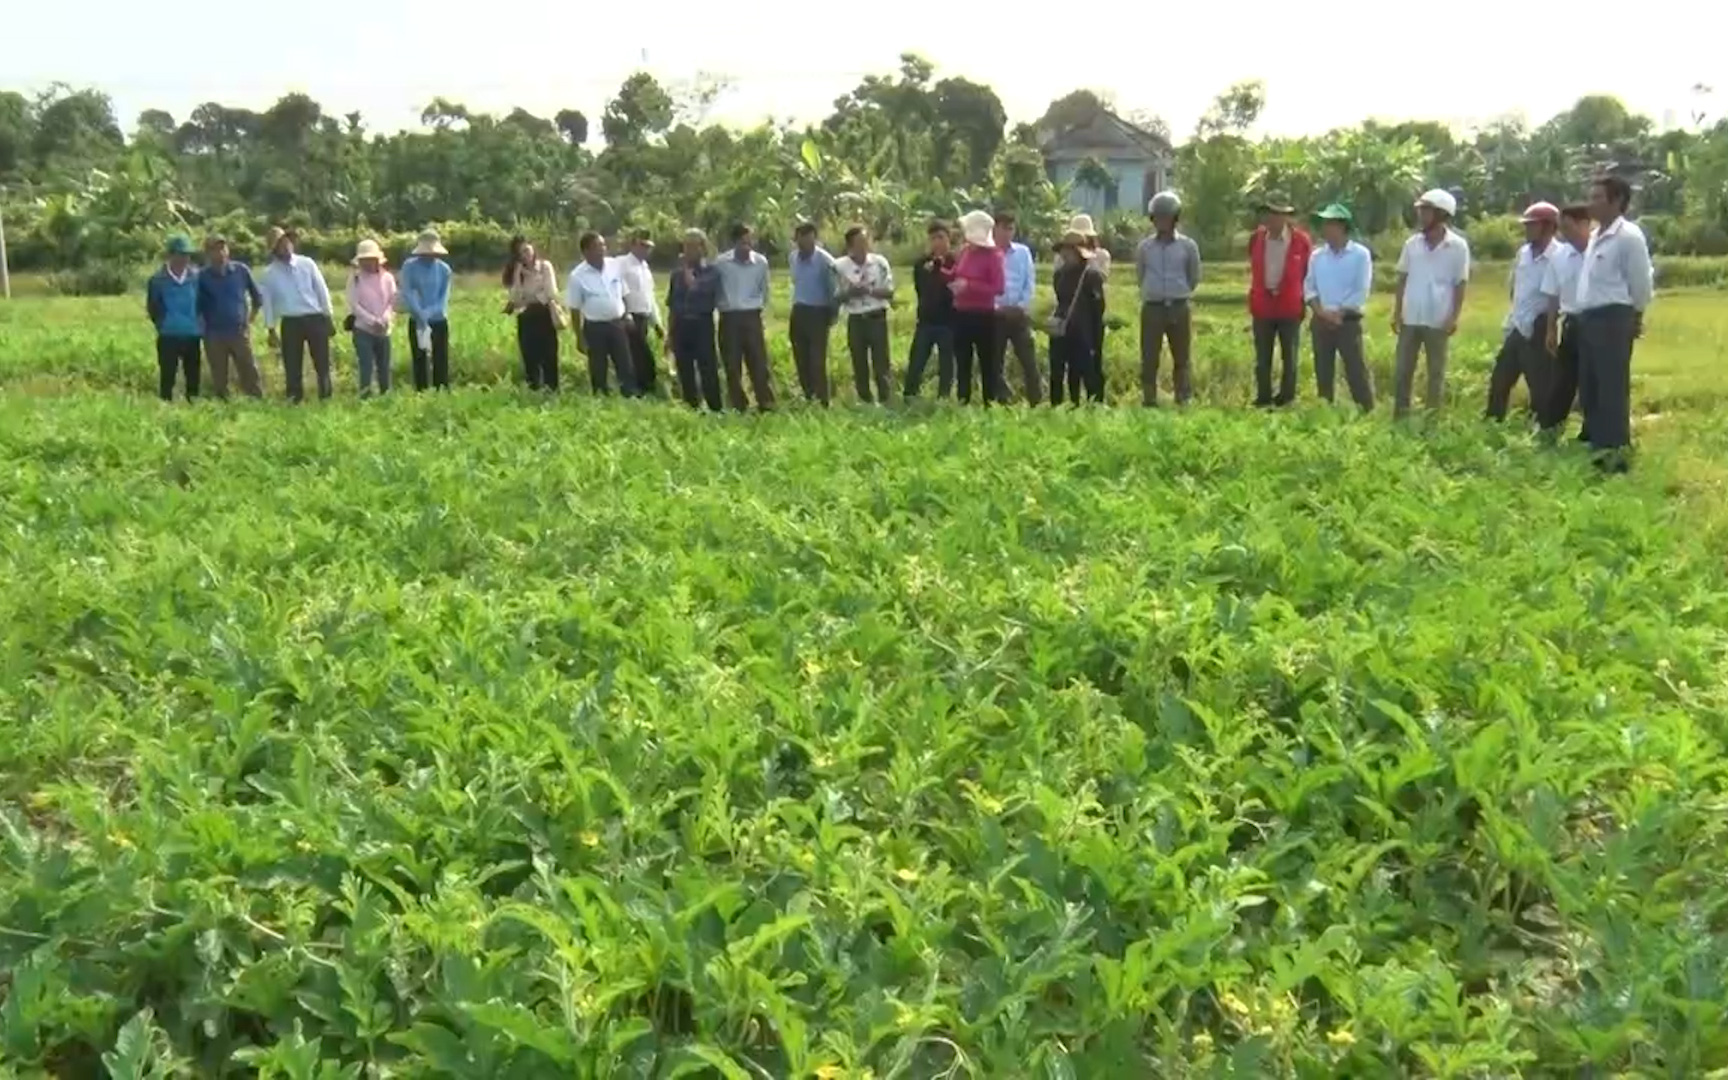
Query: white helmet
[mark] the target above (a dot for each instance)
(1440, 199)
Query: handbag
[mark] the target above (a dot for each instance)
(348, 324)
(1056, 326)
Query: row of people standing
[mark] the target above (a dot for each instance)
(210, 310)
(972, 309)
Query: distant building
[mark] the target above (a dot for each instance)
(1137, 161)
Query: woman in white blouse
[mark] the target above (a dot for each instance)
(532, 285)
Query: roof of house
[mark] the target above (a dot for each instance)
(1104, 135)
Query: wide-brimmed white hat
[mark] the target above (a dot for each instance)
(369, 249)
(978, 227)
(430, 244)
(1440, 199)
(1082, 224)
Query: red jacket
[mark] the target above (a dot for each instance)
(1286, 303)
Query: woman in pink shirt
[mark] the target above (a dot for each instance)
(976, 280)
(371, 311)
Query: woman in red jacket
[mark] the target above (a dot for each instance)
(976, 279)
(1278, 261)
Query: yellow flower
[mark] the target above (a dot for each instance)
(590, 838)
(906, 874)
(1233, 1005)
(120, 839)
(1203, 1042)
(829, 1072)
(1341, 1038)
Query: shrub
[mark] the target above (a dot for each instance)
(94, 279)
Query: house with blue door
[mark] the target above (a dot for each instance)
(1107, 163)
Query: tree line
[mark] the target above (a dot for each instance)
(898, 149)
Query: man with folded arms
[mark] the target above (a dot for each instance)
(866, 286)
(1340, 275)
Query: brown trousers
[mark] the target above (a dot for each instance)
(742, 344)
(1161, 321)
(222, 349)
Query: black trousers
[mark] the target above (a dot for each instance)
(1074, 364)
(175, 353)
(642, 358)
(609, 343)
(808, 329)
(302, 334)
(438, 355)
(694, 353)
(974, 344)
(1342, 342)
(1558, 407)
(1605, 342)
(1526, 358)
(537, 337)
(927, 337)
(1287, 333)
(867, 339)
(1014, 329)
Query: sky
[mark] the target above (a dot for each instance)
(790, 60)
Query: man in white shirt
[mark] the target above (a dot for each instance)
(1615, 285)
(1432, 271)
(866, 285)
(595, 297)
(643, 309)
(1560, 287)
(1524, 346)
(297, 313)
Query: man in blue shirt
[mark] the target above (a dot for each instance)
(1340, 274)
(813, 311)
(224, 289)
(424, 287)
(1014, 326)
(690, 301)
(171, 300)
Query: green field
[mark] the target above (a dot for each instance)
(485, 735)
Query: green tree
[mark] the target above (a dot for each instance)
(968, 115)
(641, 110)
(74, 129)
(17, 131)
(572, 124)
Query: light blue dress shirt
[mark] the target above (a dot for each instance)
(1339, 278)
(1017, 273)
(813, 278)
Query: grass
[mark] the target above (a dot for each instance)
(488, 736)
